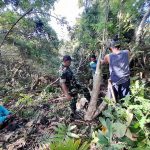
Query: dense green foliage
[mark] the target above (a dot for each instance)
(115, 17)
(29, 60)
(31, 47)
(32, 37)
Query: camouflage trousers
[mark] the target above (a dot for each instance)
(73, 104)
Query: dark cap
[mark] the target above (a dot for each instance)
(66, 58)
(114, 44)
(93, 56)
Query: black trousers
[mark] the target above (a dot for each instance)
(122, 90)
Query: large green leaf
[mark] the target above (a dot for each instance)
(129, 117)
(109, 128)
(102, 139)
(119, 129)
(108, 113)
(103, 122)
(117, 146)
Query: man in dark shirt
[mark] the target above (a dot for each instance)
(69, 85)
(68, 82)
(119, 70)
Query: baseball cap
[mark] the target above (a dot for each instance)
(114, 43)
(66, 58)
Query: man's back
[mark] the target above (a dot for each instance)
(119, 67)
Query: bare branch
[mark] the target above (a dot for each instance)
(14, 25)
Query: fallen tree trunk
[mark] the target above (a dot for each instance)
(100, 109)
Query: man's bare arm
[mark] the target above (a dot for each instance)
(105, 60)
(65, 91)
(64, 88)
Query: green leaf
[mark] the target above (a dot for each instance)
(84, 146)
(109, 127)
(107, 113)
(129, 117)
(77, 144)
(102, 139)
(119, 129)
(70, 144)
(94, 136)
(142, 122)
(136, 125)
(117, 146)
(103, 122)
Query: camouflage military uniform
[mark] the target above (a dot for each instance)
(67, 77)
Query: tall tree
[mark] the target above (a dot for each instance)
(104, 20)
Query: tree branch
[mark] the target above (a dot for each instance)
(14, 25)
(48, 14)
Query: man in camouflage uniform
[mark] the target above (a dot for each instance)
(69, 85)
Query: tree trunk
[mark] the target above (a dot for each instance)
(141, 26)
(139, 34)
(95, 92)
(92, 109)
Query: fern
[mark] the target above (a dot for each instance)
(63, 132)
(64, 139)
(69, 144)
